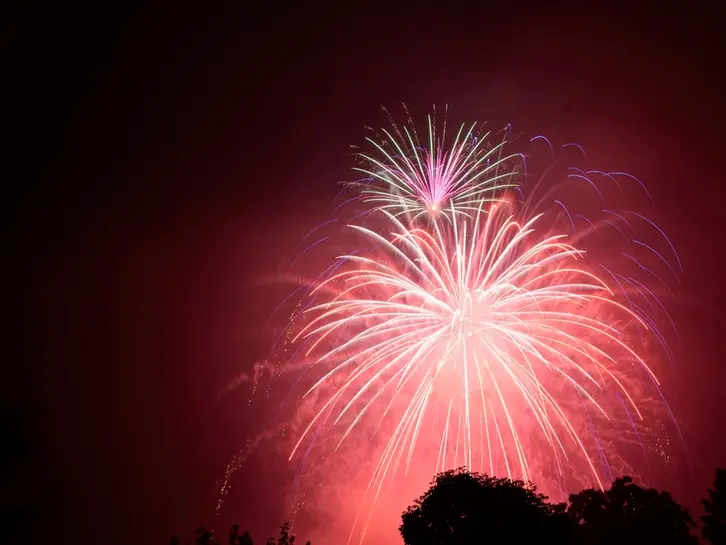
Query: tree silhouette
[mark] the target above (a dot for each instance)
(628, 514)
(204, 537)
(463, 508)
(235, 538)
(285, 537)
(714, 521)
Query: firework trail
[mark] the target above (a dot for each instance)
(519, 336)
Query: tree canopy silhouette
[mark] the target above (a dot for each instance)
(714, 521)
(204, 537)
(235, 538)
(628, 514)
(462, 508)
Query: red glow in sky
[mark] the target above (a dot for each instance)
(170, 166)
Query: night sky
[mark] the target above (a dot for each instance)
(166, 162)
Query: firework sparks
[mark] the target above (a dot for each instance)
(498, 322)
(510, 337)
(406, 176)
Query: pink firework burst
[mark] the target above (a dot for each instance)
(406, 175)
(473, 326)
(492, 341)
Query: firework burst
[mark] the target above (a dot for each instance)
(473, 325)
(433, 177)
(479, 333)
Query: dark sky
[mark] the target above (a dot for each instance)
(166, 160)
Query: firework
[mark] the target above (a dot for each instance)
(518, 336)
(405, 175)
(488, 315)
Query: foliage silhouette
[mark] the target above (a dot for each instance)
(628, 514)
(204, 537)
(463, 508)
(235, 538)
(714, 521)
